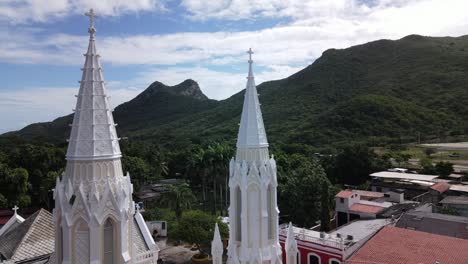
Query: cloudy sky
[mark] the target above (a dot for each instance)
(141, 41)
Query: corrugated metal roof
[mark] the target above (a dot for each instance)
(455, 200)
(403, 176)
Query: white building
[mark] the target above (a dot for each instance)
(253, 212)
(95, 217)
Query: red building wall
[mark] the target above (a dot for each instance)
(325, 253)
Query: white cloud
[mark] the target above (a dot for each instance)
(316, 26)
(22, 107)
(311, 27)
(24, 11)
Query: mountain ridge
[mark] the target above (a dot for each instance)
(384, 89)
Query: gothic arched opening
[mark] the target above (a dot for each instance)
(109, 239)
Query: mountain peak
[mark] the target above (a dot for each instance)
(188, 88)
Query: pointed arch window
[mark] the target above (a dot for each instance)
(237, 213)
(81, 243)
(270, 211)
(108, 241)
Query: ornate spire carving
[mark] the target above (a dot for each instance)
(93, 134)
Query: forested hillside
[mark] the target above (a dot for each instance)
(377, 94)
(383, 89)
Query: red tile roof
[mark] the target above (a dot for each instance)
(366, 195)
(365, 208)
(440, 187)
(344, 194)
(403, 246)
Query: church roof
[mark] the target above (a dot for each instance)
(12, 222)
(251, 131)
(93, 134)
(401, 246)
(32, 238)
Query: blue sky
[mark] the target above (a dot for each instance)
(142, 41)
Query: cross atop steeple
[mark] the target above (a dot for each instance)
(250, 52)
(91, 16)
(15, 208)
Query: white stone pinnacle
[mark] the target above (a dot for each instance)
(217, 247)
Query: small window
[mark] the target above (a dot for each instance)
(163, 225)
(341, 200)
(314, 259)
(334, 261)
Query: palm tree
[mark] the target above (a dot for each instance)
(178, 198)
(197, 168)
(219, 155)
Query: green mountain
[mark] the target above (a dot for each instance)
(158, 104)
(385, 90)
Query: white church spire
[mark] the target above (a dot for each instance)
(251, 141)
(93, 134)
(253, 210)
(94, 216)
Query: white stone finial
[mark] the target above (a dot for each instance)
(217, 247)
(291, 246)
(137, 207)
(15, 208)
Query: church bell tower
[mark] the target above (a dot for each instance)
(253, 211)
(95, 217)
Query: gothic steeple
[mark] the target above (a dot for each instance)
(252, 142)
(253, 210)
(94, 216)
(93, 134)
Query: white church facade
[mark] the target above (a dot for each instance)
(95, 217)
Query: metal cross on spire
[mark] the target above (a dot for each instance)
(91, 16)
(250, 52)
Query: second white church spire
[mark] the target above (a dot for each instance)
(252, 143)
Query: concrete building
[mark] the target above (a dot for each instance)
(441, 224)
(458, 203)
(355, 204)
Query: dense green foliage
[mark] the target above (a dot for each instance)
(299, 192)
(178, 198)
(197, 227)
